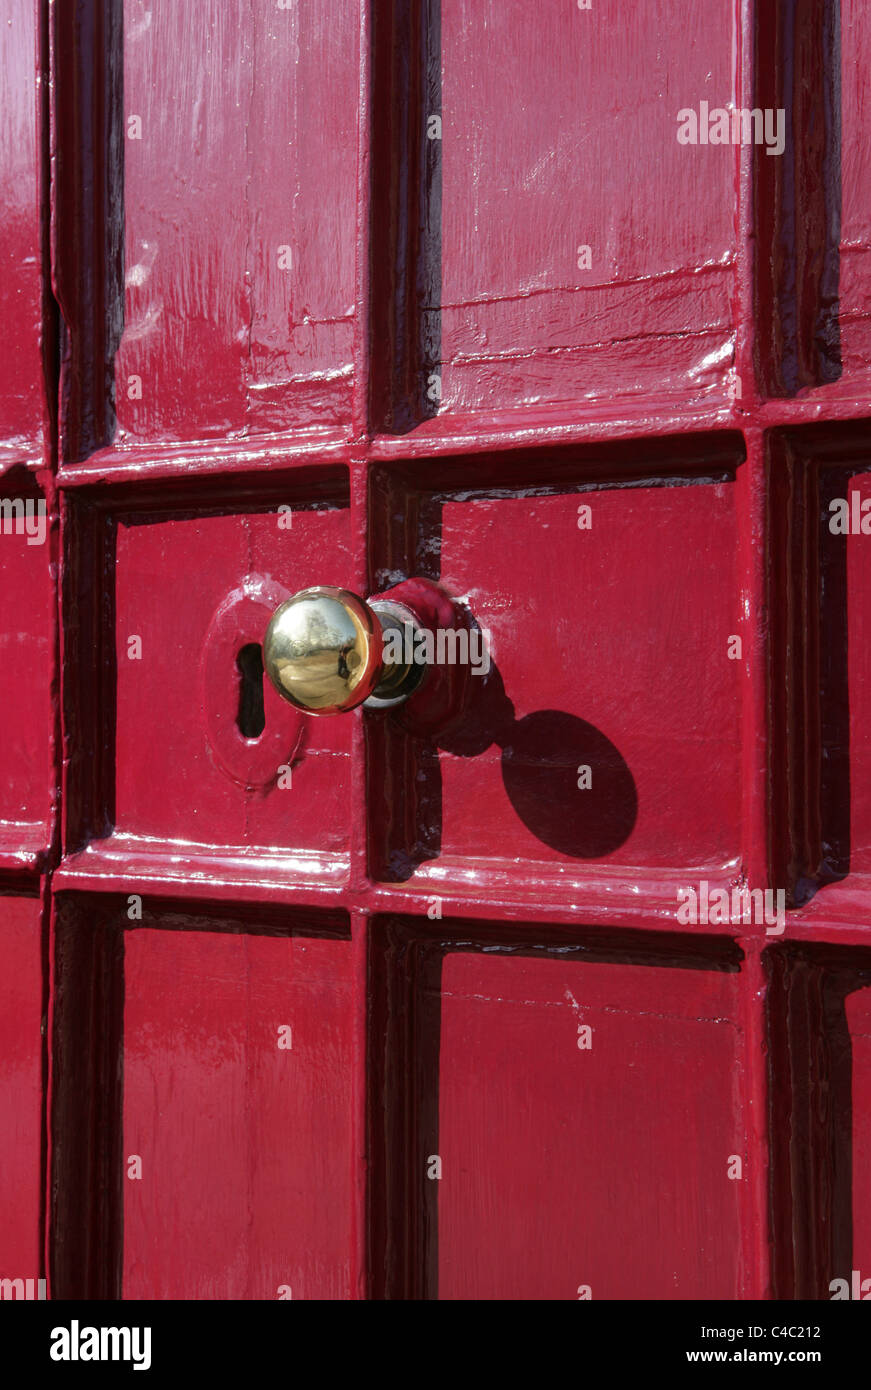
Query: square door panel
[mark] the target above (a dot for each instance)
(27, 625)
(567, 1093)
(238, 242)
(610, 592)
(212, 1087)
(21, 1080)
(186, 770)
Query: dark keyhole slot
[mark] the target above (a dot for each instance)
(251, 718)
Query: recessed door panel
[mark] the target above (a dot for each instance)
(859, 1024)
(21, 1083)
(26, 657)
(813, 209)
(607, 727)
(217, 767)
(857, 496)
(22, 399)
(238, 235)
(237, 1056)
(543, 292)
(820, 483)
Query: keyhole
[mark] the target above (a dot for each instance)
(251, 719)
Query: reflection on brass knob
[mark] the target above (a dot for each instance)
(323, 651)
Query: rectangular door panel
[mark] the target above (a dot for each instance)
(206, 1055)
(237, 1055)
(820, 1072)
(21, 1084)
(821, 488)
(859, 1026)
(812, 206)
(23, 421)
(850, 184)
(217, 292)
(26, 665)
(857, 501)
(218, 767)
(554, 263)
(239, 236)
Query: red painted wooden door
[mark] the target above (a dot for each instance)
(511, 298)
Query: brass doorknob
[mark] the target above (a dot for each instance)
(323, 651)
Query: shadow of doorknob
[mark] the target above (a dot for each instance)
(324, 651)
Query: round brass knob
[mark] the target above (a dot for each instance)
(323, 651)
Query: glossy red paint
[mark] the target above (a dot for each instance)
(858, 1143)
(630, 279)
(189, 779)
(247, 272)
(270, 1039)
(673, 1129)
(263, 342)
(28, 547)
(21, 1086)
(24, 415)
(27, 578)
(644, 536)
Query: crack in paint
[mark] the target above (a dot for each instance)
(594, 1008)
(726, 262)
